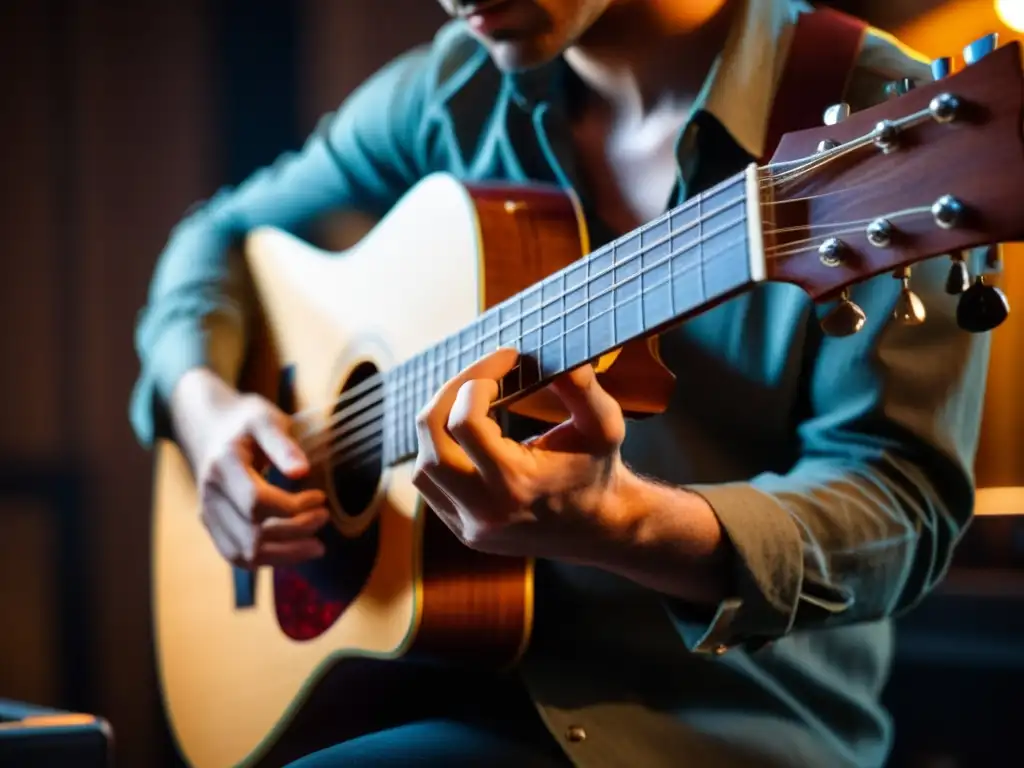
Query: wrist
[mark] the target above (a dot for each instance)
(198, 397)
(664, 537)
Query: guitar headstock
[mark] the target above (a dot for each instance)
(934, 170)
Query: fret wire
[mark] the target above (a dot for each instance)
(394, 420)
(431, 352)
(400, 408)
(667, 217)
(417, 385)
(385, 451)
(403, 370)
(614, 296)
(399, 423)
(700, 247)
(565, 352)
(586, 308)
(611, 247)
(519, 317)
(640, 276)
(453, 355)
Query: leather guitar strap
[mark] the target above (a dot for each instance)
(822, 53)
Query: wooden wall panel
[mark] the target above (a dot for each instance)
(30, 640)
(147, 143)
(31, 341)
(944, 30)
(344, 43)
(1001, 452)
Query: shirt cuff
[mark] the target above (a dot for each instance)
(212, 342)
(768, 573)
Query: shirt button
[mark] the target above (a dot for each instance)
(720, 649)
(575, 733)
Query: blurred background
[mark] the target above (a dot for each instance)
(116, 116)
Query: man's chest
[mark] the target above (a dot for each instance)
(629, 170)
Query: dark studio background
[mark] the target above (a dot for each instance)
(116, 116)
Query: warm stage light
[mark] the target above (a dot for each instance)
(1011, 13)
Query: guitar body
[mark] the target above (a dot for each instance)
(238, 652)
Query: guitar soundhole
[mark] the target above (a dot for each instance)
(309, 598)
(357, 442)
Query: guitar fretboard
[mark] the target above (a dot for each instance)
(636, 285)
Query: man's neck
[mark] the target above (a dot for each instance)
(646, 55)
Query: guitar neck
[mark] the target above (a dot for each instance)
(678, 265)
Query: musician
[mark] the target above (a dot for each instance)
(715, 586)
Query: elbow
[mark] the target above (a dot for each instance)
(935, 506)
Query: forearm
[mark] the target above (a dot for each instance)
(834, 541)
(199, 395)
(667, 539)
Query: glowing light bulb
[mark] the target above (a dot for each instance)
(1011, 13)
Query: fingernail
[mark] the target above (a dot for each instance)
(296, 465)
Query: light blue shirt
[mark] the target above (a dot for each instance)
(841, 469)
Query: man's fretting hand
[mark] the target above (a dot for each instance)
(552, 497)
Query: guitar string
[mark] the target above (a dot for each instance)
(821, 158)
(377, 380)
(314, 412)
(801, 167)
(776, 180)
(717, 189)
(370, 413)
(428, 371)
(374, 380)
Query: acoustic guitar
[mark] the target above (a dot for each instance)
(355, 343)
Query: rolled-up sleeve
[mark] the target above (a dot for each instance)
(363, 157)
(864, 524)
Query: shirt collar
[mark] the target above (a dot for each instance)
(740, 87)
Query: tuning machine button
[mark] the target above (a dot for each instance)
(959, 278)
(831, 252)
(982, 307)
(833, 115)
(879, 233)
(885, 136)
(845, 319)
(942, 68)
(994, 258)
(980, 48)
(836, 113)
(947, 211)
(897, 88)
(944, 107)
(909, 309)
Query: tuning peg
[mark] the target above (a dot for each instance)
(941, 68)
(980, 48)
(959, 278)
(836, 113)
(899, 87)
(994, 258)
(845, 319)
(909, 308)
(982, 307)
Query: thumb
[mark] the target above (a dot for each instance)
(596, 415)
(272, 434)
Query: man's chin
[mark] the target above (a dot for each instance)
(519, 55)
